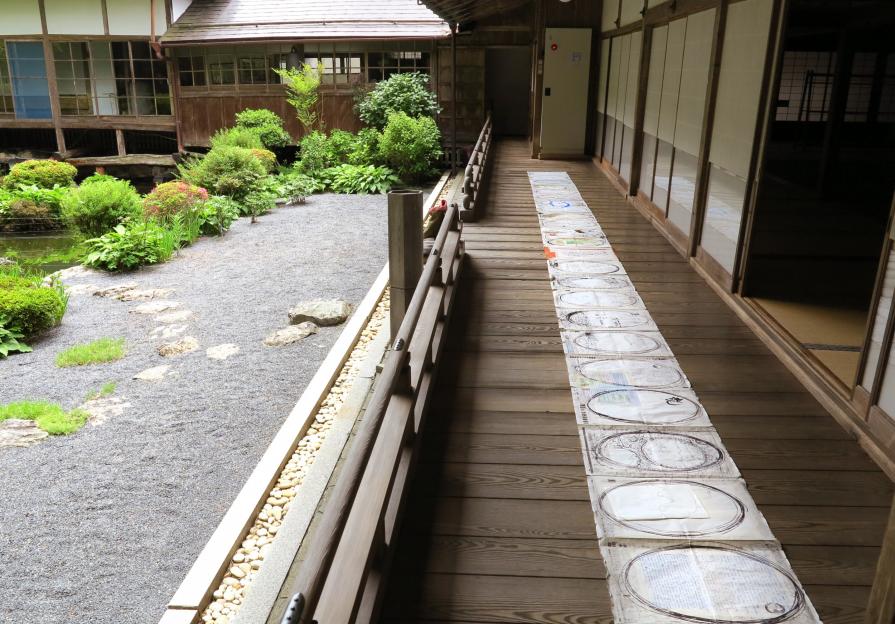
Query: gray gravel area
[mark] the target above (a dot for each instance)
(101, 526)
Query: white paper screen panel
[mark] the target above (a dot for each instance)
(624, 55)
(604, 75)
(694, 80)
(614, 62)
(883, 310)
(739, 84)
(631, 11)
(20, 17)
(74, 17)
(610, 14)
(671, 79)
(635, 44)
(132, 17)
(654, 80)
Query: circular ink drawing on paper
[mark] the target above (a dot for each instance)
(607, 319)
(617, 343)
(569, 220)
(643, 407)
(585, 267)
(600, 282)
(633, 373)
(712, 584)
(657, 452)
(678, 508)
(595, 299)
(577, 241)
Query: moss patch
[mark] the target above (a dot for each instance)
(48, 416)
(96, 352)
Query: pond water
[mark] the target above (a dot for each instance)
(31, 246)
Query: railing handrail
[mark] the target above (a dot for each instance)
(472, 175)
(315, 568)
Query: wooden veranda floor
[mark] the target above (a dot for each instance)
(499, 526)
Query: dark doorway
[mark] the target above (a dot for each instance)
(507, 89)
(827, 178)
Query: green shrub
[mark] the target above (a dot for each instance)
(302, 86)
(29, 307)
(11, 339)
(42, 173)
(24, 215)
(48, 416)
(267, 158)
(236, 137)
(98, 207)
(315, 153)
(266, 124)
(295, 187)
(230, 171)
(364, 179)
(259, 202)
(411, 146)
(171, 198)
(96, 352)
(217, 215)
(97, 177)
(365, 148)
(402, 93)
(132, 245)
(340, 144)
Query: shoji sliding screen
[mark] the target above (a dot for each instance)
(675, 104)
(736, 112)
(623, 67)
(602, 86)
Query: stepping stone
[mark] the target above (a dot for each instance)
(82, 289)
(145, 294)
(175, 317)
(222, 351)
(100, 410)
(184, 345)
(21, 433)
(153, 374)
(154, 307)
(291, 334)
(115, 291)
(167, 332)
(322, 313)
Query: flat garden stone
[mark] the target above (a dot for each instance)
(154, 307)
(100, 410)
(146, 294)
(18, 432)
(322, 313)
(155, 373)
(178, 316)
(293, 333)
(82, 289)
(167, 332)
(222, 351)
(115, 291)
(187, 344)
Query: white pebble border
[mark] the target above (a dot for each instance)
(247, 561)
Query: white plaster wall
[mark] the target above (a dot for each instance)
(131, 17)
(74, 17)
(19, 17)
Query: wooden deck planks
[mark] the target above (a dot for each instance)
(500, 527)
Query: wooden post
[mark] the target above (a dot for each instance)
(405, 250)
(881, 606)
(454, 29)
(119, 140)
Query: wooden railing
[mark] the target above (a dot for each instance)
(344, 573)
(474, 175)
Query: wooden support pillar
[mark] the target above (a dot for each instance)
(537, 68)
(454, 98)
(405, 251)
(52, 85)
(119, 140)
(881, 607)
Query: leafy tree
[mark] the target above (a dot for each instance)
(402, 93)
(302, 85)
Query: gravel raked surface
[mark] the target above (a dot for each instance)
(101, 526)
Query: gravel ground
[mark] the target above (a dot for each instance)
(101, 526)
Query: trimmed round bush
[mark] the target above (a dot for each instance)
(26, 215)
(267, 158)
(42, 173)
(171, 198)
(410, 146)
(96, 208)
(237, 137)
(266, 124)
(30, 308)
(401, 93)
(230, 171)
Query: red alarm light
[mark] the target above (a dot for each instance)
(554, 47)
